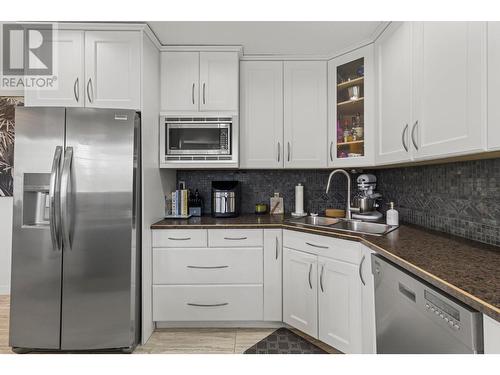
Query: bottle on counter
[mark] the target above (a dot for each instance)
(392, 216)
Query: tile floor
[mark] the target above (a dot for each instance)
(180, 340)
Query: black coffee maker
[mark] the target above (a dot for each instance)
(225, 198)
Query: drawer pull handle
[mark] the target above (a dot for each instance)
(207, 267)
(318, 246)
(235, 238)
(210, 305)
(179, 239)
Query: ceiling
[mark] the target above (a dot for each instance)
(269, 38)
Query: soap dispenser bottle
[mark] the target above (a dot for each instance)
(392, 215)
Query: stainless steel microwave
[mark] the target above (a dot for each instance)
(198, 139)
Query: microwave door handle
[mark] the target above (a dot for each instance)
(54, 199)
(65, 181)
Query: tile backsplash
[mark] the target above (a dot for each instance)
(259, 186)
(458, 198)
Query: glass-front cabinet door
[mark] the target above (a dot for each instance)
(351, 120)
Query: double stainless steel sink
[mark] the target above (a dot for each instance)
(345, 225)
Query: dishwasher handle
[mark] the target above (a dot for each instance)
(407, 292)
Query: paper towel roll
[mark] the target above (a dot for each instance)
(299, 199)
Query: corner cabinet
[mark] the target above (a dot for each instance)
(351, 125)
(193, 81)
(305, 114)
(328, 290)
(95, 69)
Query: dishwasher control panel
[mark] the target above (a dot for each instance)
(443, 310)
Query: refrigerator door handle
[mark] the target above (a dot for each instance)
(65, 180)
(54, 190)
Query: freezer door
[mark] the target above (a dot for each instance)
(36, 252)
(97, 229)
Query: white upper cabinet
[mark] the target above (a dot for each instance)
(351, 125)
(113, 69)
(261, 114)
(449, 89)
(305, 114)
(199, 81)
(394, 93)
(493, 85)
(219, 81)
(179, 81)
(340, 314)
(69, 70)
(96, 69)
(300, 293)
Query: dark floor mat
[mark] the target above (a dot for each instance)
(284, 341)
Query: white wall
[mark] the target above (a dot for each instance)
(5, 243)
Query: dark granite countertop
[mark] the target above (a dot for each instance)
(467, 270)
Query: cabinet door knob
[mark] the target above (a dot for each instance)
(279, 152)
(288, 148)
(331, 148)
(203, 92)
(192, 93)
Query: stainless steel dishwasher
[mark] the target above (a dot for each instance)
(414, 317)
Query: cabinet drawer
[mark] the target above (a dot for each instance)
(207, 266)
(235, 237)
(207, 302)
(347, 251)
(180, 238)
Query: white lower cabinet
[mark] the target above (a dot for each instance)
(273, 272)
(491, 335)
(217, 275)
(300, 295)
(339, 302)
(328, 290)
(207, 302)
(320, 285)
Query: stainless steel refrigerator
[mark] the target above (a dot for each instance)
(76, 230)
